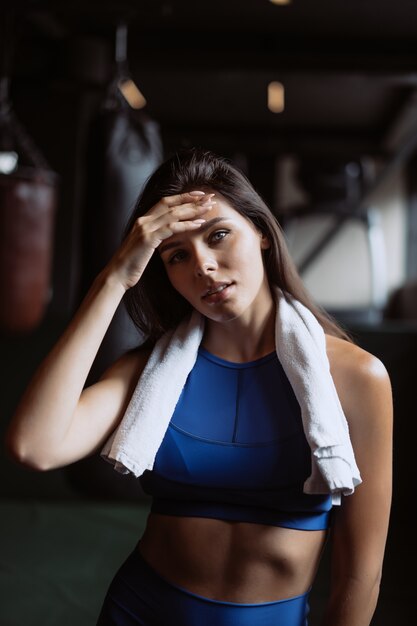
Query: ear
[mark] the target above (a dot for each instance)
(265, 243)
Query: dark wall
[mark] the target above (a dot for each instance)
(57, 116)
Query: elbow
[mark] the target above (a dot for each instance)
(18, 452)
(377, 586)
(29, 461)
(369, 580)
(374, 582)
(364, 587)
(373, 595)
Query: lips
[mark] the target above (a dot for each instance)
(218, 292)
(215, 288)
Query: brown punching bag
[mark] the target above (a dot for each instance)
(27, 209)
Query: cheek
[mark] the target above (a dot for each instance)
(171, 275)
(174, 279)
(178, 280)
(251, 255)
(255, 270)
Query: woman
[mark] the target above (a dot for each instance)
(202, 239)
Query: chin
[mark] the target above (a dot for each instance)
(225, 315)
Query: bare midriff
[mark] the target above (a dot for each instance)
(232, 561)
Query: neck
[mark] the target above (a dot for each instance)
(242, 340)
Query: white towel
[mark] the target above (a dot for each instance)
(301, 349)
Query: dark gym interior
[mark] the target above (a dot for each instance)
(335, 151)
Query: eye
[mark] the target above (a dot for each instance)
(219, 235)
(177, 257)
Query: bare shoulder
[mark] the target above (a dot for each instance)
(361, 378)
(351, 360)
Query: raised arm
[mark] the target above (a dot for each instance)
(57, 422)
(360, 524)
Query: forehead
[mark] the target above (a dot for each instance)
(223, 208)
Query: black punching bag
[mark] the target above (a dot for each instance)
(124, 148)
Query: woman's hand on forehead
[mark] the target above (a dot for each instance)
(178, 213)
(170, 215)
(189, 199)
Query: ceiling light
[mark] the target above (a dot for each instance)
(8, 162)
(132, 94)
(280, 1)
(276, 102)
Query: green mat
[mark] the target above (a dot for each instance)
(57, 559)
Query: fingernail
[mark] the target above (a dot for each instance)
(199, 221)
(197, 193)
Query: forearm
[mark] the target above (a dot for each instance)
(45, 411)
(351, 603)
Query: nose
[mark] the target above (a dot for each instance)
(205, 263)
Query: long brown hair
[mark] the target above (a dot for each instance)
(153, 303)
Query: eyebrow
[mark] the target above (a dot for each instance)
(203, 228)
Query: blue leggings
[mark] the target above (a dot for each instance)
(139, 596)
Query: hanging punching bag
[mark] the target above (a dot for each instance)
(124, 148)
(27, 208)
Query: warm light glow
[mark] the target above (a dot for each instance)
(132, 94)
(280, 1)
(276, 102)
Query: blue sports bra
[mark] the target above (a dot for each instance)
(235, 449)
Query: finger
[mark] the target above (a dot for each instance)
(203, 199)
(180, 227)
(166, 204)
(162, 225)
(182, 198)
(173, 228)
(180, 213)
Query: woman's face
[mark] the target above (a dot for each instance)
(219, 268)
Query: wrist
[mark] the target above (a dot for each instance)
(109, 279)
